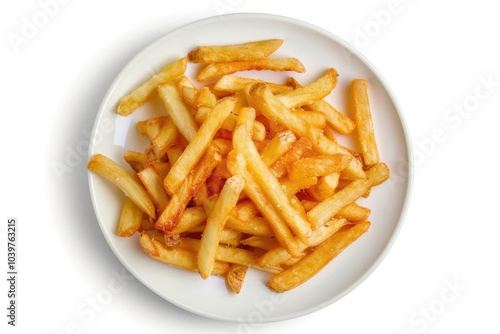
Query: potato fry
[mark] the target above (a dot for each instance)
(320, 165)
(236, 52)
(132, 188)
(277, 146)
(236, 276)
(139, 95)
(262, 99)
(198, 144)
(136, 160)
(130, 218)
(311, 93)
(320, 257)
(215, 223)
(154, 186)
(244, 173)
(278, 256)
(233, 84)
(178, 111)
(169, 218)
(217, 70)
(176, 256)
(328, 208)
(237, 165)
(270, 185)
(363, 118)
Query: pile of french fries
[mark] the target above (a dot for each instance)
(240, 172)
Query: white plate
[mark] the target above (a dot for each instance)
(318, 50)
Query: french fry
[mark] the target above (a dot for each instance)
(170, 216)
(328, 208)
(335, 118)
(236, 276)
(130, 218)
(320, 257)
(320, 165)
(217, 70)
(278, 256)
(236, 52)
(154, 186)
(233, 84)
(164, 139)
(296, 151)
(215, 223)
(176, 256)
(139, 95)
(245, 173)
(259, 97)
(198, 144)
(311, 93)
(132, 188)
(363, 118)
(178, 111)
(277, 146)
(237, 165)
(136, 160)
(272, 188)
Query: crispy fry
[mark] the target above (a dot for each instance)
(130, 218)
(262, 99)
(331, 206)
(154, 186)
(362, 115)
(311, 93)
(197, 146)
(235, 52)
(217, 70)
(320, 257)
(277, 146)
(132, 188)
(215, 223)
(139, 95)
(272, 188)
(169, 218)
(237, 165)
(177, 257)
(178, 111)
(320, 165)
(233, 84)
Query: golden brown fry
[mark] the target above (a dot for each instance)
(233, 84)
(328, 208)
(270, 185)
(237, 165)
(178, 111)
(262, 99)
(311, 93)
(169, 218)
(277, 146)
(139, 95)
(319, 165)
(176, 256)
(227, 199)
(320, 257)
(132, 188)
(363, 118)
(217, 70)
(198, 144)
(130, 218)
(235, 52)
(236, 276)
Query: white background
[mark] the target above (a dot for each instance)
(441, 274)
